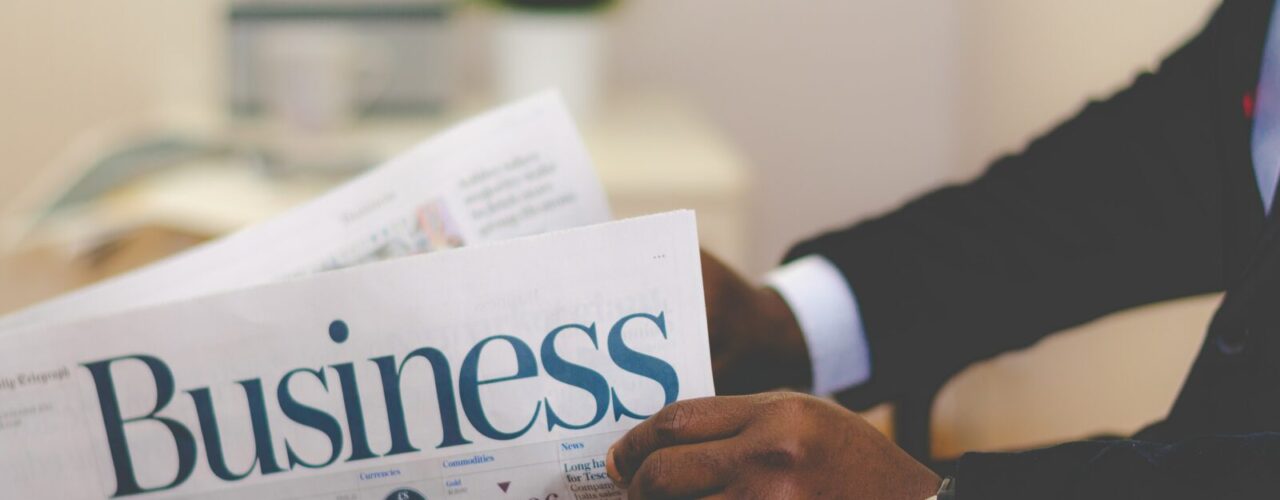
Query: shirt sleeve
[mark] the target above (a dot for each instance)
(827, 310)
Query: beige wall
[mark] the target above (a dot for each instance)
(848, 107)
(1027, 66)
(845, 108)
(74, 66)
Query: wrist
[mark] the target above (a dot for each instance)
(782, 333)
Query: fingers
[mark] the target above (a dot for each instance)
(685, 471)
(682, 422)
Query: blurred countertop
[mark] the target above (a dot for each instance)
(643, 146)
(651, 151)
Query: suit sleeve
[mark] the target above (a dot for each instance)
(1119, 206)
(1220, 467)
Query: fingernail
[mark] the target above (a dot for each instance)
(611, 468)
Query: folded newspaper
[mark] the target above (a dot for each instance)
(502, 370)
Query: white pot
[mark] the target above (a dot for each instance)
(535, 51)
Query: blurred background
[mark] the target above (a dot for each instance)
(132, 129)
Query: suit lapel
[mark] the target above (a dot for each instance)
(1240, 42)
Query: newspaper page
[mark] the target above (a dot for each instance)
(516, 171)
(500, 371)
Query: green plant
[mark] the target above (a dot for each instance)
(556, 5)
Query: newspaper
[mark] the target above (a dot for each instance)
(504, 370)
(516, 171)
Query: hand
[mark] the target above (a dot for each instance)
(756, 343)
(775, 445)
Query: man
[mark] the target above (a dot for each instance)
(1164, 190)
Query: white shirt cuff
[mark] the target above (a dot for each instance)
(826, 309)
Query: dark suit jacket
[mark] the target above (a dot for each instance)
(1146, 196)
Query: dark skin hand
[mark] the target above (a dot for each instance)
(774, 445)
(756, 344)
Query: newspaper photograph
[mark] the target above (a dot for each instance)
(501, 370)
(516, 171)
